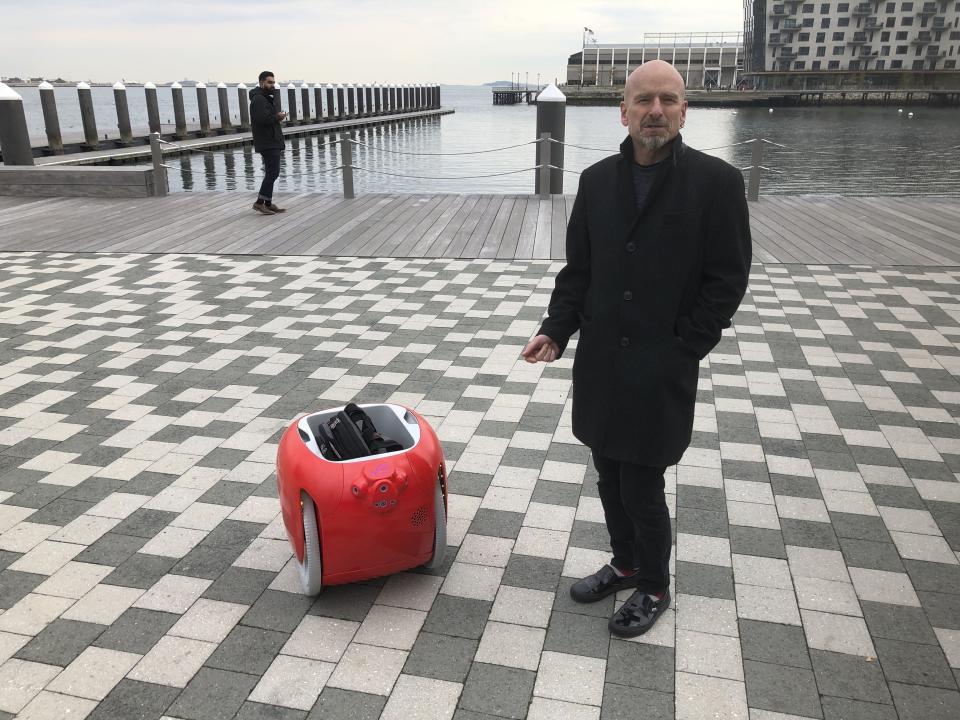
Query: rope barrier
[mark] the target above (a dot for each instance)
(468, 152)
(461, 177)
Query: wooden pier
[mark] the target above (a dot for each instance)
(828, 230)
(515, 95)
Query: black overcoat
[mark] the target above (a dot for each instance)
(650, 291)
(266, 129)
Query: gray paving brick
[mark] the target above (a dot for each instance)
(278, 611)
(707, 580)
(849, 676)
(757, 541)
(575, 634)
(915, 702)
(622, 703)
(111, 549)
(898, 622)
(133, 700)
(498, 690)
(914, 664)
(335, 703)
(805, 533)
(213, 695)
(248, 649)
(140, 571)
(859, 527)
(942, 610)
(60, 642)
(137, 630)
(239, 585)
(461, 617)
(15, 584)
(835, 708)
(640, 665)
(556, 493)
(532, 572)
(788, 690)
(443, 657)
(774, 643)
(347, 602)
(871, 555)
(933, 577)
(496, 523)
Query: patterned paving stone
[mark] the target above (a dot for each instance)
(817, 512)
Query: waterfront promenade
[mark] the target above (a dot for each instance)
(152, 350)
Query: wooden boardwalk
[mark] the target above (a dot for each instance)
(802, 229)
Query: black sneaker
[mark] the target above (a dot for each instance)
(602, 583)
(638, 614)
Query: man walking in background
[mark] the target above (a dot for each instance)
(265, 122)
(658, 258)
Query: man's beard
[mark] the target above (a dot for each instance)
(655, 142)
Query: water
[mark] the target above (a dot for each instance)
(831, 150)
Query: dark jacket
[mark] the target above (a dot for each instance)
(267, 131)
(651, 292)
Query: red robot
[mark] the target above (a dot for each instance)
(363, 490)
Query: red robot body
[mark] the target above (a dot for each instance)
(367, 516)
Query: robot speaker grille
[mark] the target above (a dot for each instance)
(419, 517)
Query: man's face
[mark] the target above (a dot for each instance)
(653, 109)
(269, 83)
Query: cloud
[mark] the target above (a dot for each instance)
(362, 41)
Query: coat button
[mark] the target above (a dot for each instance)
(628, 295)
(631, 246)
(624, 342)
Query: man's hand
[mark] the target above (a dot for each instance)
(281, 116)
(541, 349)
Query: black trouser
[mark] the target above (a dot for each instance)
(271, 166)
(638, 520)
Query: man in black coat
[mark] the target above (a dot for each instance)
(658, 258)
(265, 122)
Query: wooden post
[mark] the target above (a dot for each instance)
(756, 160)
(317, 102)
(224, 105)
(331, 102)
(51, 118)
(179, 114)
(368, 95)
(305, 102)
(153, 107)
(346, 160)
(14, 137)
(543, 150)
(551, 118)
(361, 101)
(351, 102)
(203, 109)
(87, 115)
(378, 99)
(243, 97)
(340, 106)
(159, 171)
(292, 102)
(123, 113)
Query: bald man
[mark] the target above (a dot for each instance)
(658, 258)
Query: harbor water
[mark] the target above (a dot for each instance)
(849, 150)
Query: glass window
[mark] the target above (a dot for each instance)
(906, 22)
(803, 51)
(824, 8)
(902, 49)
(949, 64)
(896, 64)
(838, 37)
(891, 7)
(884, 37)
(843, 22)
(800, 65)
(804, 37)
(843, 7)
(901, 36)
(821, 37)
(885, 50)
(918, 64)
(821, 51)
(881, 64)
(919, 50)
(825, 23)
(816, 65)
(808, 22)
(833, 65)
(891, 21)
(838, 50)
(808, 7)
(906, 7)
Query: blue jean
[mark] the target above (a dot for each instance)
(271, 166)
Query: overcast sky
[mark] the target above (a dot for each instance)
(445, 41)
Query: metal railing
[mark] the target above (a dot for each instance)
(545, 166)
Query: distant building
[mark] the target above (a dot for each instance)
(705, 59)
(791, 44)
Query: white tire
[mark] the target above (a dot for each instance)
(311, 569)
(439, 530)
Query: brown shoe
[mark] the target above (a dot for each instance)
(262, 208)
(276, 209)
